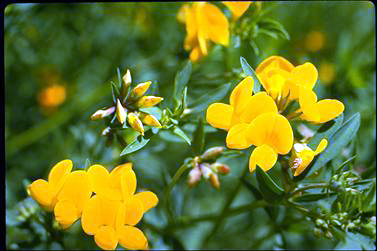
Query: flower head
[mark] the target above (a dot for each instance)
(302, 156)
(237, 7)
(52, 96)
(204, 22)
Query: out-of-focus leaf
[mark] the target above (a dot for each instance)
(87, 164)
(202, 103)
(250, 72)
(178, 131)
(369, 198)
(114, 91)
(337, 142)
(198, 137)
(181, 80)
(326, 131)
(355, 241)
(135, 145)
(310, 197)
(270, 190)
(257, 194)
(274, 27)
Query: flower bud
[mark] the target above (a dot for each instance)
(317, 232)
(135, 123)
(148, 101)
(127, 79)
(206, 170)
(220, 168)
(102, 113)
(194, 176)
(140, 90)
(329, 235)
(149, 120)
(214, 180)
(106, 131)
(121, 112)
(212, 153)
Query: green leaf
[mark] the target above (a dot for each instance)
(198, 137)
(326, 131)
(178, 131)
(337, 142)
(181, 80)
(257, 194)
(270, 190)
(250, 72)
(87, 164)
(115, 91)
(309, 197)
(135, 145)
(274, 26)
(369, 199)
(202, 103)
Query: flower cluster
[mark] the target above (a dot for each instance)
(128, 104)
(205, 22)
(257, 119)
(106, 202)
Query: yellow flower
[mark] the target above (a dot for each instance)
(45, 192)
(303, 156)
(282, 80)
(318, 112)
(237, 8)
(204, 22)
(244, 108)
(52, 96)
(113, 212)
(272, 134)
(315, 40)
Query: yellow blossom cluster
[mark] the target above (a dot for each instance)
(257, 119)
(205, 22)
(106, 202)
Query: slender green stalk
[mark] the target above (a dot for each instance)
(307, 187)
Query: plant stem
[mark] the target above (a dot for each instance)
(307, 187)
(226, 206)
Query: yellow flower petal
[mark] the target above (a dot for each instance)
(132, 238)
(258, 104)
(237, 8)
(305, 157)
(321, 147)
(99, 177)
(303, 75)
(106, 238)
(329, 109)
(133, 211)
(276, 62)
(241, 94)
(236, 138)
(219, 115)
(40, 191)
(90, 218)
(58, 174)
(66, 213)
(196, 54)
(147, 199)
(76, 189)
(263, 156)
(271, 129)
(116, 174)
(128, 182)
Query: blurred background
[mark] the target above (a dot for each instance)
(60, 59)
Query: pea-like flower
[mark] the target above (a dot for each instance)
(204, 22)
(238, 8)
(302, 156)
(243, 109)
(321, 111)
(111, 215)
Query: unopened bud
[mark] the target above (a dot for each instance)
(106, 131)
(135, 123)
(214, 180)
(206, 170)
(317, 232)
(329, 235)
(194, 176)
(127, 79)
(212, 153)
(148, 101)
(102, 113)
(140, 90)
(149, 120)
(121, 112)
(220, 168)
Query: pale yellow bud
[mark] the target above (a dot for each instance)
(220, 168)
(135, 123)
(121, 112)
(149, 120)
(140, 90)
(214, 180)
(148, 101)
(127, 78)
(212, 153)
(194, 176)
(102, 113)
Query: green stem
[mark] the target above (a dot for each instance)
(307, 187)
(294, 114)
(226, 206)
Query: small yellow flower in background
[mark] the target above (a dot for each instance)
(314, 41)
(237, 7)
(318, 112)
(327, 73)
(302, 156)
(204, 22)
(52, 96)
(243, 109)
(272, 134)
